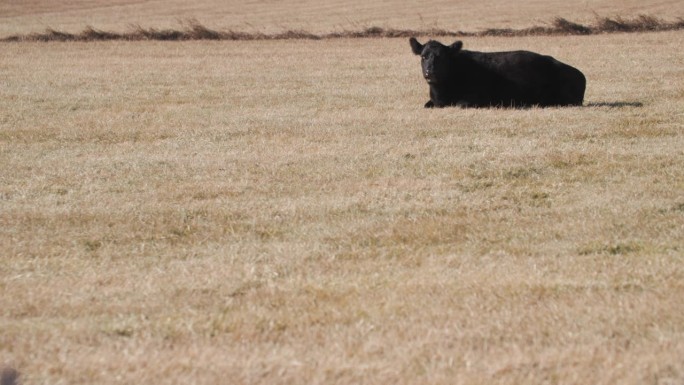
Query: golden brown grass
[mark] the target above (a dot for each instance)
(315, 16)
(287, 212)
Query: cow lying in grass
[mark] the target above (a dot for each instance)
(496, 79)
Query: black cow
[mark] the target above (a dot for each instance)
(496, 79)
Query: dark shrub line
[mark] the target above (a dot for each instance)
(193, 30)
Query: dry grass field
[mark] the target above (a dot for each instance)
(286, 212)
(26, 16)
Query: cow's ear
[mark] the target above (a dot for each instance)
(416, 47)
(457, 46)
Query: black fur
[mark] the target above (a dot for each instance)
(496, 79)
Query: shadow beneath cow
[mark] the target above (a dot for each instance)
(528, 107)
(614, 104)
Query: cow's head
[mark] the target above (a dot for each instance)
(436, 58)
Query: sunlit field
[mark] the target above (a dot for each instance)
(286, 212)
(26, 16)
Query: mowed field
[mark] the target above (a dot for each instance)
(286, 212)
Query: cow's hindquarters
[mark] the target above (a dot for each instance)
(571, 86)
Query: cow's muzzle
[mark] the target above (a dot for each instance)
(429, 77)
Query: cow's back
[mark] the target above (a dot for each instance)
(531, 78)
